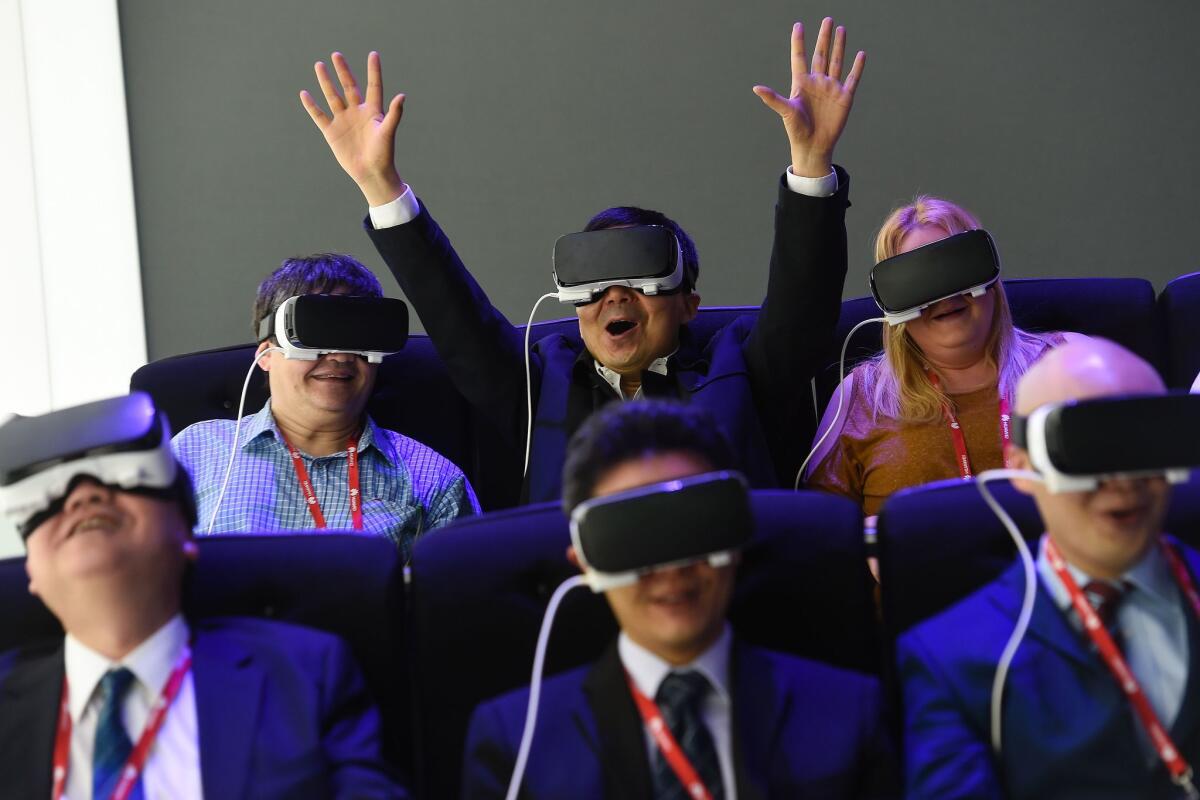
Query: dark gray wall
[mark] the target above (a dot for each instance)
(1070, 128)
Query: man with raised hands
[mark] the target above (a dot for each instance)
(137, 701)
(1068, 728)
(751, 723)
(751, 374)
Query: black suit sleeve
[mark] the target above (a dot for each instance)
(483, 352)
(795, 326)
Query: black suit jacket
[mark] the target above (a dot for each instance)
(800, 729)
(753, 374)
(282, 713)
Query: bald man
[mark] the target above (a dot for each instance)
(1068, 730)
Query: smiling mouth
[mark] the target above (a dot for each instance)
(619, 327)
(1125, 516)
(100, 522)
(949, 313)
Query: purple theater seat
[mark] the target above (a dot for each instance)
(1179, 308)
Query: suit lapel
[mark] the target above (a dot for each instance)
(228, 691)
(30, 699)
(757, 708)
(622, 744)
(1048, 624)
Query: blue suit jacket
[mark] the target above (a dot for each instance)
(282, 713)
(801, 729)
(1067, 732)
(753, 374)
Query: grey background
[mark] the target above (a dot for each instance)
(1069, 128)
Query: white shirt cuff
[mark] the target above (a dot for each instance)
(405, 208)
(813, 187)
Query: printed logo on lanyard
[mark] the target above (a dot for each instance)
(960, 441)
(670, 749)
(310, 496)
(141, 751)
(1181, 771)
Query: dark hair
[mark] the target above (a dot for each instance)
(624, 431)
(618, 216)
(313, 274)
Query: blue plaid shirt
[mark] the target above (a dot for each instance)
(406, 487)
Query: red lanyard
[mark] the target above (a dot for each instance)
(960, 441)
(667, 745)
(310, 496)
(1180, 771)
(137, 758)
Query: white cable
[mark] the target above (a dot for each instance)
(1014, 641)
(237, 429)
(535, 683)
(529, 384)
(838, 411)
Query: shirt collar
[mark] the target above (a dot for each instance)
(648, 670)
(263, 422)
(613, 379)
(1150, 574)
(150, 662)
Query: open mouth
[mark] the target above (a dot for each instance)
(332, 377)
(1125, 516)
(619, 327)
(95, 522)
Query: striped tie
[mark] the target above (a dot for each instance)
(113, 745)
(679, 698)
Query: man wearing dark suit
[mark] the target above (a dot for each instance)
(259, 710)
(1068, 731)
(776, 725)
(751, 375)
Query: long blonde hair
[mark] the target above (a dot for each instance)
(896, 379)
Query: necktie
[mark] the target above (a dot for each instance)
(679, 698)
(113, 745)
(1106, 599)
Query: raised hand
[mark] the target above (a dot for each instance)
(361, 137)
(815, 111)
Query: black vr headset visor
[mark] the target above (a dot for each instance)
(1077, 444)
(643, 257)
(965, 263)
(621, 536)
(309, 325)
(121, 442)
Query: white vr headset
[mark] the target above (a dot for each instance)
(906, 284)
(309, 325)
(122, 442)
(1077, 444)
(619, 537)
(643, 257)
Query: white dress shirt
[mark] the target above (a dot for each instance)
(1152, 622)
(172, 768)
(648, 672)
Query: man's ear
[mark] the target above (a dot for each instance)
(1016, 458)
(258, 355)
(691, 305)
(573, 557)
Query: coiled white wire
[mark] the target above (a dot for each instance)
(841, 398)
(535, 684)
(1018, 634)
(237, 429)
(529, 384)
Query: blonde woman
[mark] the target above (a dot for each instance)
(951, 371)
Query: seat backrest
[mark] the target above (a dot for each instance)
(940, 542)
(347, 584)
(1179, 308)
(1121, 309)
(479, 588)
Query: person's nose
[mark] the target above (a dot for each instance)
(86, 492)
